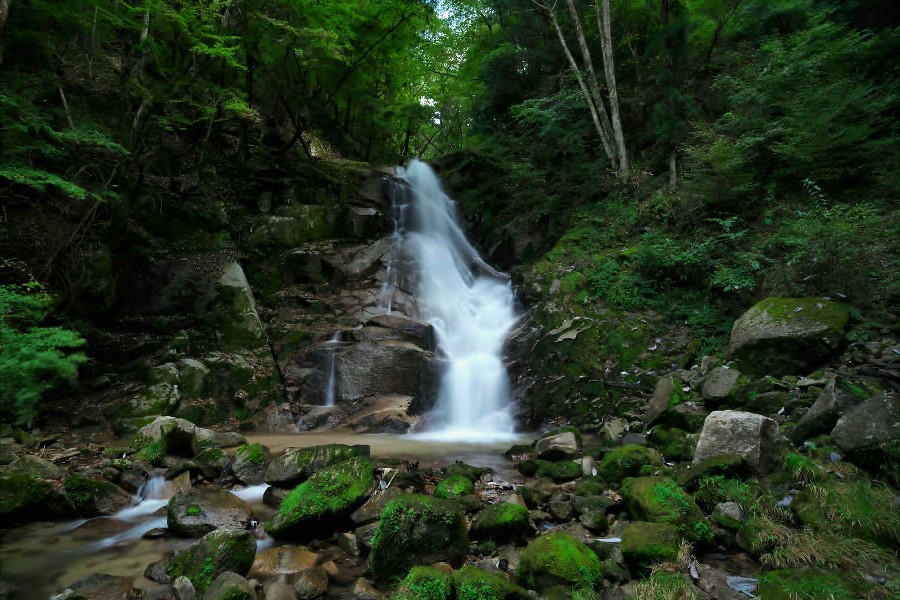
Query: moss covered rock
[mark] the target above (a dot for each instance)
(213, 554)
(559, 559)
(323, 500)
(35, 466)
(804, 584)
(249, 464)
(230, 586)
(22, 497)
(417, 529)
(467, 471)
(560, 472)
(211, 463)
(454, 487)
(661, 500)
(645, 544)
(502, 522)
(781, 336)
(425, 583)
(472, 583)
(195, 512)
(91, 495)
(627, 461)
(296, 465)
(727, 465)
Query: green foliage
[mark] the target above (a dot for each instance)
(34, 358)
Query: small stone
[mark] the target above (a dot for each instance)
(183, 588)
(729, 515)
(311, 584)
(155, 533)
(364, 590)
(562, 506)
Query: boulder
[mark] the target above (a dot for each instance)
(230, 586)
(296, 465)
(729, 515)
(646, 544)
(782, 336)
(417, 529)
(196, 512)
(184, 589)
(277, 418)
(322, 501)
(249, 464)
(833, 401)
(502, 522)
(192, 375)
(209, 438)
(562, 505)
(454, 486)
(472, 583)
(364, 590)
(211, 463)
(687, 415)
(558, 559)
(560, 472)
(283, 561)
(374, 506)
(559, 446)
(99, 586)
(22, 498)
(426, 583)
(719, 383)
(215, 553)
(92, 495)
(661, 500)
(311, 584)
(866, 429)
(627, 461)
(35, 466)
(175, 435)
(659, 401)
(754, 437)
(235, 318)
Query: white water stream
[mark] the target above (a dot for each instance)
(471, 307)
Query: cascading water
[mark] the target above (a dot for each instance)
(331, 378)
(470, 305)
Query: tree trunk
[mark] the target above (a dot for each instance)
(4, 15)
(673, 169)
(603, 23)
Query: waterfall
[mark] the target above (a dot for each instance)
(470, 305)
(331, 379)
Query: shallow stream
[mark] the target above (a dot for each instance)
(43, 558)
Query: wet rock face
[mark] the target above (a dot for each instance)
(196, 512)
(729, 432)
(788, 335)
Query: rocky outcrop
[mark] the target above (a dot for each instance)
(729, 432)
(788, 335)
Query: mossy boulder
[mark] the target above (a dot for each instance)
(170, 434)
(425, 583)
(560, 472)
(674, 443)
(727, 465)
(215, 553)
(230, 586)
(558, 446)
(324, 500)
(472, 583)
(197, 511)
(627, 461)
(211, 463)
(296, 465)
(805, 584)
(249, 464)
(782, 336)
(659, 499)
(417, 529)
(454, 486)
(645, 544)
(22, 498)
(502, 522)
(92, 495)
(35, 466)
(558, 559)
(467, 471)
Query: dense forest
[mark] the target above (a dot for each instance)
(645, 170)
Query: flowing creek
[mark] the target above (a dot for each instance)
(45, 557)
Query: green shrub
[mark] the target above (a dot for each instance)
(34, 358)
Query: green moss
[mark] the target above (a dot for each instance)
(627, 461)
(323, 499)
(829, 313)
(193, 510)
(468, 471)
(558, 559)
(425, 583)
(760, 534)
(82, 492)
(714, 489)
(474, 584)
(21, 494)
(454, 486)
(590, 486)
(251, 453)
(646, 544)
(502, 522)
(152, 452)
(804, 584)
(417, 529)
(674, 443)
(729, 465)
(213, 554)
(661, 500)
